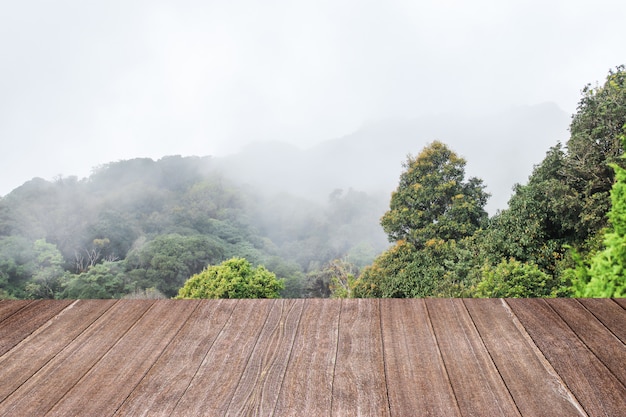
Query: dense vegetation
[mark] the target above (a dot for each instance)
(142, 228)
(546, 243)
(142, 225)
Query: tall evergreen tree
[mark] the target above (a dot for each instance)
(433, 209)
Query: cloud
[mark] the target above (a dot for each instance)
(82, 84)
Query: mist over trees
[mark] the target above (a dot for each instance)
(142, 227)
(143, 224)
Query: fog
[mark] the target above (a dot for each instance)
(84, 84)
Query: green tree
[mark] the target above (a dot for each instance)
(594, 144)
(606, 274)
(48, 273)
(433, 200)
(16, 265)
(511, 278)
(234, 278)
(433, 210)
(103, 280)
(168, 260)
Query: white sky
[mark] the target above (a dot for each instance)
(84, 83)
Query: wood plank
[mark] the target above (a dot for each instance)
(23, 322)
(105, 387)
(534, 386)
(214, 384)
(259, 386)
(477, 385)
(595, 387)
(42, 345)
(417, 380)
(308, 383)
(359, 386)
(39, 394)
(621, 302)
(604, 344)
(167, 380)
(611, 314)
(9, 307)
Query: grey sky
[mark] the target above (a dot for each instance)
(85, 83)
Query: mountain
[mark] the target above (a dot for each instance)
(500, 148)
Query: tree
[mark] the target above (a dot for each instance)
(433, 210)
(168, 260)
(606, 274)
(433, 201)
(103, 280)
(594, 144)
(48, 272)
(511, 278)
(234, 278)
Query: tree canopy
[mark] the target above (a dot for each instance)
(234, 278)
(433, 208)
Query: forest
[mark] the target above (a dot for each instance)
(142, 228)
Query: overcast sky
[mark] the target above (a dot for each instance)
(84, 83)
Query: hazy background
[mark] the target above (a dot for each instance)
(82, 84)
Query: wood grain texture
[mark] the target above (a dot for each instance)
(99, 392)
(213, 386)
(23, 322)
(611, 314)
(161, 388)
(312, 357)
(308, 382)
(476, 382)
(534, 387)
(47, 341)
(53, 381)
(9, 307)
(359, 386)
(595, 387)
(621, 302)
(601, 341)
(417, 379)
(261, 381)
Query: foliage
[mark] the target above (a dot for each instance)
(234, 278)
(168, 260)
(433, 201)
(511, 278)
(104, 280)
(48, 271)
(605, 275)
(432, 210)
(566, 200)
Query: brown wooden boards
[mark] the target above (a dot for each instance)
(213, 386)
(308, 383)
(359, 386)
(621, 301)
(611, 314)
(595, 387)
(99, 391)
(53, 381)
(417, 379)
(534, 386)
(26, 320)
(166, 382)
(317, 357)
(8, 307)
(603, 343)
(21, 363)
(262, 379)
(477, 385)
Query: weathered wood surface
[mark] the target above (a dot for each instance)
(433, 357)
(591, 382)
